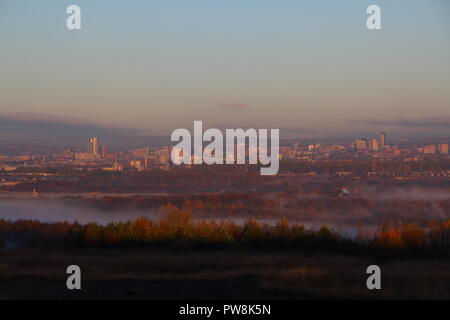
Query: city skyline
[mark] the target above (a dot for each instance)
(232, 65)
(227, 150)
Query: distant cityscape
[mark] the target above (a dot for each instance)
(33, 167)
(96, 154)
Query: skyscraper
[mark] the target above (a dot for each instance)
(93, 146)
(382, 140)
(443, 148)
(104, 152)
(374, 144)
(294, 149)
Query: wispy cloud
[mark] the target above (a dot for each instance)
(285, 131)
(233, 106)
(50, 128)
(443, 122)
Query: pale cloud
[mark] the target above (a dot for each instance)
(411, 122)
(233, 106)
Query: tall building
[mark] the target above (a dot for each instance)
(374, 145)
(164, 154)
(443, 148)
(93, 146)
(382, 140)
(294, 149)
(104, 151)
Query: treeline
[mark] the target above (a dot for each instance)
(177, 230)
(362, 167)
(197, 202)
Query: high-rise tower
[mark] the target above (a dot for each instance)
(94, 146)
(382, 140)
(374, 145)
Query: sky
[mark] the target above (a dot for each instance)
(308, 67)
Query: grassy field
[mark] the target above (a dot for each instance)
(231, 274)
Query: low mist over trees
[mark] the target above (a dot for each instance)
(177, 230)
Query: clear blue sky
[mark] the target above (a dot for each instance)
(310, 68)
